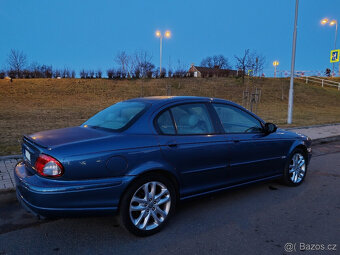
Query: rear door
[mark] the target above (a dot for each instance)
(191, 142)
(252, 154)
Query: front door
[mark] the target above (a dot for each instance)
(253, 154)
(190, 143)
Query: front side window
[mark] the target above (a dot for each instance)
(192, 119)
(117, 116)
(235, 120)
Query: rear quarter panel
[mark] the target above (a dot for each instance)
(118, 156)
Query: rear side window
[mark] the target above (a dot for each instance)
(117, 116)
(192, 119)
(165, 124)
(234, 120)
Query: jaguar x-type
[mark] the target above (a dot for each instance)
(141, 156)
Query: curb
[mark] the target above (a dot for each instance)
(314, 126)
(326, 140)
(10, 157)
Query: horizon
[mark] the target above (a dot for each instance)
(83, 35)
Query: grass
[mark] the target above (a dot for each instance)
(31, 105)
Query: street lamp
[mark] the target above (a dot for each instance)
(275, 64)
(332, 23)
(292, 67)
(159, 34)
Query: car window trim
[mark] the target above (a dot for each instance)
(237, 133)
(155, 122)
(173, 121)
(216, 120)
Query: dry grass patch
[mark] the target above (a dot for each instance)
(31, 105)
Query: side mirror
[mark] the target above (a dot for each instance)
(269, 128)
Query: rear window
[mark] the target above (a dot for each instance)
(117, 116)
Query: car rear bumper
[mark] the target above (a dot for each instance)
(49, 197)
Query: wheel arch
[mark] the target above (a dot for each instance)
(303, 148)
(298, 145)
(166, 173)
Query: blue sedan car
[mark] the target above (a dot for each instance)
(141, 156)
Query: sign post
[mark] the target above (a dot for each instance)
(335, 54)
(335, 57)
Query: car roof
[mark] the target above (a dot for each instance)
(158, 102)
(162, 100)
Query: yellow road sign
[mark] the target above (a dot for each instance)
(335, 54)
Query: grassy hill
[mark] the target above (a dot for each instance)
(32, 105)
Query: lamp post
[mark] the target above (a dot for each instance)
(159, 34)
(292, 68)
(332, 23)
(275, 64)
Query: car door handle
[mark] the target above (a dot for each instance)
(172, 144)
(236, 141)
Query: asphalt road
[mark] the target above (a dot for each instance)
(257, 219)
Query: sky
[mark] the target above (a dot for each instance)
(88, 34)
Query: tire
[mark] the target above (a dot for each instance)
(146, 213)
(294, 174)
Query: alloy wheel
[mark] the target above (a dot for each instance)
(150, 205)
(297, 168)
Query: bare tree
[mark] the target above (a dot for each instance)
(35, 70)
(242, 63)
(163, 73)
(170, 73)
(11, 73)
(123, 60)
(99, 74)
(90, 74)
(17, 61)
(39, 71)
(218, 61)
(207, 62)
(157, 74)
(66, 73)
(180, 70)
(26, 74)
(57, 73)
(47, 71)
(255, 62)
(83, 74)
(221, 62)
(142, 64)
(110, 73)
(2, 74)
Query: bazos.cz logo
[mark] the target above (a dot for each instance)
(291, 247)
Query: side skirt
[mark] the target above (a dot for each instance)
(274, 177)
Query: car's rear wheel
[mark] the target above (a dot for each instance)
(296, 168)
(147, 205)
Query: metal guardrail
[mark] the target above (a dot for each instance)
(323, 82)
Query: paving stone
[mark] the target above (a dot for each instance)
(7, 173)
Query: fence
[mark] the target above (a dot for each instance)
(323, 82)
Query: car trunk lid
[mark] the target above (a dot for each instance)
(57, 137)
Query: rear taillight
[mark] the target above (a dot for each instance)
(48, 166)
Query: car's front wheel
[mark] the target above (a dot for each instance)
(147, 205)
(296, 168)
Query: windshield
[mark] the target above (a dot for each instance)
(117, 116)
